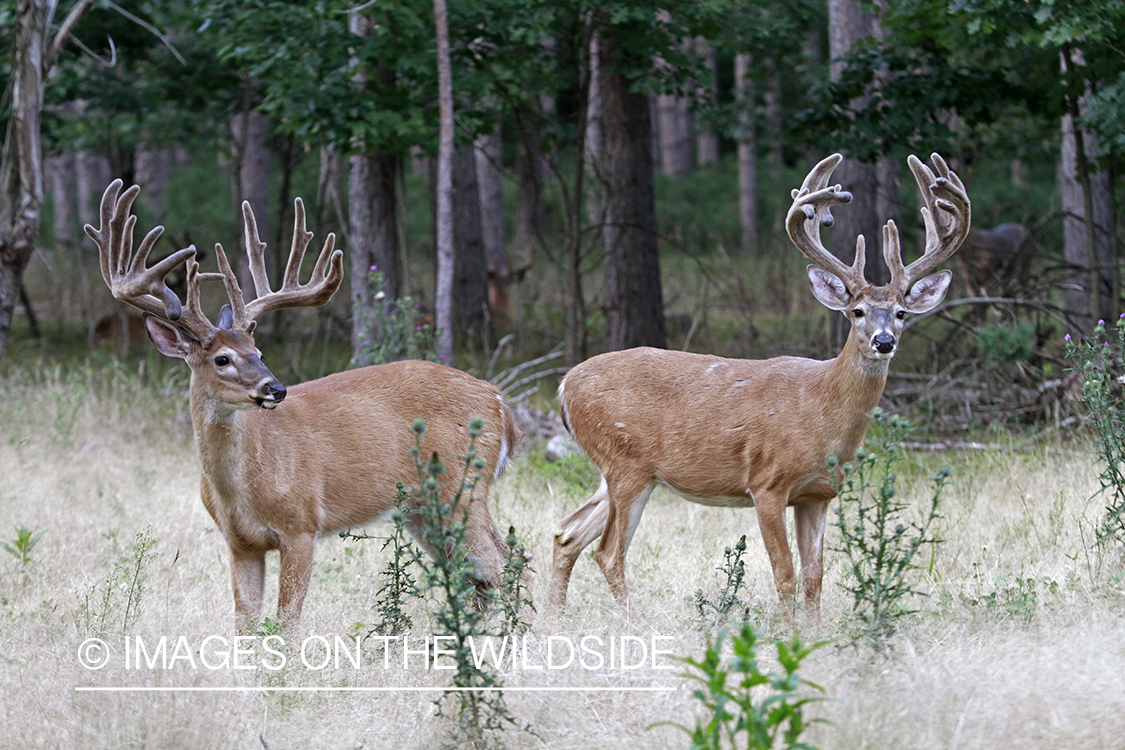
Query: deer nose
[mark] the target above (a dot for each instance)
(274, 391)
(884, 343)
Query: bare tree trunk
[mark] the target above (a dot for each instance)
(152, 167)
(1087, 241)
(707, 141)
(21, 162)
(443, 295)
(747, 155)
(634, 307)
(849, 23)
(675, 136)
(489, 154)
(372, 229)
(471, 314)
(250, 169)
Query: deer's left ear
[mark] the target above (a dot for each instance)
(927, 293)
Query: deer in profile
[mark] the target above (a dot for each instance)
(283, 466)
(741, 433)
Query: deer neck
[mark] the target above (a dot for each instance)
(220, 439)
(858, 383)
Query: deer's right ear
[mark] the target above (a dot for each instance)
(169, 339)
(828, 288)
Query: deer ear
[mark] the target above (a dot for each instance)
(169, 339)
(927, 293)
(828, 288)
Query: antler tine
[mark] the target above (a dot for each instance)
(240, 320)
(124, 272)
(812, 209)
(327, 274)
(255, 251)
(194, 321)
(947, 214)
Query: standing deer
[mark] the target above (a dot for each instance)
(284, 466)
(742, 433)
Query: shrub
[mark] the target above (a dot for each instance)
(1098, 362)
(744, 706)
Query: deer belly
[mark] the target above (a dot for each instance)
(745, 500)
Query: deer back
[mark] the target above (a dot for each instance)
(718, 428)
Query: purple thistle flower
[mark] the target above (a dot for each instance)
(1067, 337)
(1101, 322)
(373, 268)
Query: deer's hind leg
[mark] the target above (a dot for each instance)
(573, 534)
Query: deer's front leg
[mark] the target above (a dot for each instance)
(771, 523)
(248, 576)
(810, 516)
(296, 572)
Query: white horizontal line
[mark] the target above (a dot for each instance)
(263, 689)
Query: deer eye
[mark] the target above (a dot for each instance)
(858, 313)
(901, 314)
(222, 360)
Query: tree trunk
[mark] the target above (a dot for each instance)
(21, 162)
(372, 229)
(634, 307)
(707, 141)
(489, 150)
(849, 23)
(472, 317)
(250, 169)
(443, 294)
(1087, 244)
(747, 155)
(373, 236)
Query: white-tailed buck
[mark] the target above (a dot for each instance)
(743, 433)
(283, 466)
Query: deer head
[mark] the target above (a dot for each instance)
(878, 313)
(223, 358)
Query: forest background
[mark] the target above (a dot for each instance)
(620, 172)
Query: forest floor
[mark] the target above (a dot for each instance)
(1017, 643)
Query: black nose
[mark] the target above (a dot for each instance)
(274, 391)
(884, 343)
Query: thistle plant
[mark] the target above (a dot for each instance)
(514, 599)
(396, 331)
(728, 600)
(479, 710)
(880, 542)
(1098, 362)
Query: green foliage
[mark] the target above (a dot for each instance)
(479, 714)
(744, 706)
(25, 541)
(1099, 363)
(1006, 343)
(728, 602)
(1016, 597)
(116, 600)
(878, 540)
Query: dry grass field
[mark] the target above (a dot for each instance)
(1020, 642)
